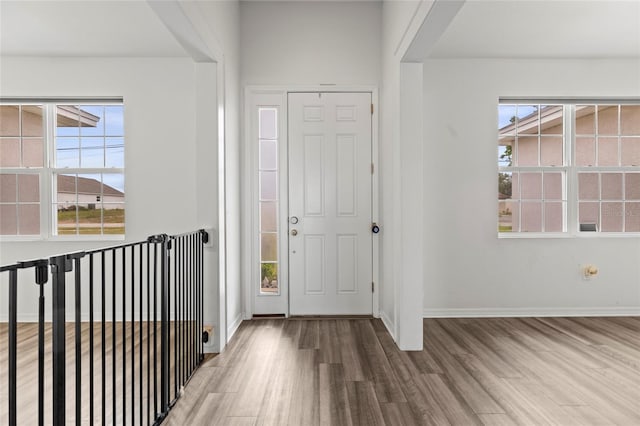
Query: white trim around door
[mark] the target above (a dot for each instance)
(275, 98)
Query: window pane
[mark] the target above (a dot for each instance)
(268, 155)
(505, 151)
(92, 157)
(585, 151)
(114, 156)
(114, 120)
(531, 220)
(585, 120)
(630, 151)
(505, 215)
(9, 152)
(32, 122)
(29, 219)
(268, 218)
(632, 186)
(92, 142)
(553, 217)
(528, 151)
(506, 118)
(588, 186)
(67, 121)
(611, 217)
(607, 151)
(589, 213)
(269, 277)
(551, 119)
(632, 217)
(91, 120)
(515, 185)
(268, 126)
(9, 120)
(553, 186)
(268, 247)
(527, 120)
(114, 217)
(531, 186)
(8, 188)
(33, 152)
(268, 185)
(551, 151)
(611, 186)
(8, 219)
(608, 120)
(68, 158)
(29, 188)
(113, 187)
(630, 120)
(89, 219)
(67, 218)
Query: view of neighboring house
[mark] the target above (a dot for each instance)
(534, 197)
(87, 192)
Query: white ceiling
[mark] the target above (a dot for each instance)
(84, 28)
(542, 29)
(482, 28)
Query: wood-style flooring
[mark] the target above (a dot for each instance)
(136, 394)
(492, 371)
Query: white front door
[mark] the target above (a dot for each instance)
(330, 240)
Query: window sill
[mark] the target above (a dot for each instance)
(564, 235)
(60, 238)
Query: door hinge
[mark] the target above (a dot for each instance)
(372, 287)
(371, 109)
(372, 168)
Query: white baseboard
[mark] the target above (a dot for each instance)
(389, 324)
(531, 312)
(233, 327)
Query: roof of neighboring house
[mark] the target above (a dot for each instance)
(71, 116)
(550, 116)
(502, 196)
(86, 186)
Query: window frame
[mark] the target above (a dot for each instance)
(48, 171)
(571, 223)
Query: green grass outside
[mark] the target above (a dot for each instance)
(92, 231)
(504, 228)
(91, 216)
(67, 221)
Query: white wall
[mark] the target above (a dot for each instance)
(218, 23)
(469, 270)
(160, 153)
(310, 43)
(397, 18)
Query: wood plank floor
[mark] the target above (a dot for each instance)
(491, 371)
(137, 380)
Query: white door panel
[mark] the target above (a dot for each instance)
(330, 254)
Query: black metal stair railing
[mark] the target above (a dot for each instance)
(148, 297)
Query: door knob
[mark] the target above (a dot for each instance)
(294, 232)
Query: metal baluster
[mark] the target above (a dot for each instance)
(91, 372)
(13, 344)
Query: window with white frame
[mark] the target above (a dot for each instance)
(61, 169)
(268, 198)
(568, 167)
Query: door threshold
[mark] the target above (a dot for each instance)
(330, 317)
(268, 316)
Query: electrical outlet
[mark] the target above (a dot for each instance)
(207, 335)
(589, 272)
